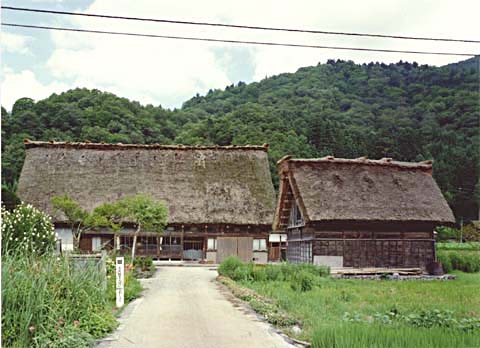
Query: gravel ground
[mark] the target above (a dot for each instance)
(185, 307)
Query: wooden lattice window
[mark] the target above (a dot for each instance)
(296, 218)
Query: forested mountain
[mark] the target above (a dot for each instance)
(405, 111)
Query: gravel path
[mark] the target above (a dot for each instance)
(185, 307)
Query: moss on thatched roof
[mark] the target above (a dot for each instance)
(336, 189)
(200, 184)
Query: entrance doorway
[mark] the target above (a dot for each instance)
(242, 247)
(193, 248)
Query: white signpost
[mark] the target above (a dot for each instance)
(120, 280)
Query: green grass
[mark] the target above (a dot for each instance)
(470, 246)
(322, 309)
(48, 303)
(376, 336)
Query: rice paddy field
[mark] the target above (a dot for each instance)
(342, 313)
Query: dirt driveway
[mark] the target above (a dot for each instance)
(184, 307)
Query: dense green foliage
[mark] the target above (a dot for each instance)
(370, 313)
(78, 219)
(145, 213)
(405, 111)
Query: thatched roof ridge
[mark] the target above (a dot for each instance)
(338, 189)
(424, 165)
(119, 146)
(204, 185)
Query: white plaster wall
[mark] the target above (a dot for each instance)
(65, 234)
(330, 261)
(260, 256)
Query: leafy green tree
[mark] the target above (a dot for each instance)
(78, 219)
(145, 213)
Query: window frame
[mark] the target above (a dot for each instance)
(214, 244)
(262, 246)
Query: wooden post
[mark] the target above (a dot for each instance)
(181, 243)
(103, 270)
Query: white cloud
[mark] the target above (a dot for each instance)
(15, 43)
(16, 85)
(167, 72)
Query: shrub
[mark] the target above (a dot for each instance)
(447, 233)
(289, 270)
(471, 232)
(243, 273)
(27, 230)
(274, 273)
(144, 263)
(229, 265)
(67, 337)
(303, 281)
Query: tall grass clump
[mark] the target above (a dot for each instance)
(444, 259)
(229, 266)
(379, 336)
(302, 276)
(46, 302)
(457, 260)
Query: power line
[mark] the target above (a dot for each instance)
(232, 41)
(157, 20)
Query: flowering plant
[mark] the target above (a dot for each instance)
(27, 229)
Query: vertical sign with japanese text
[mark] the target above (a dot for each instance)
(119, 280)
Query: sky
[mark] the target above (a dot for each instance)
(37, 63)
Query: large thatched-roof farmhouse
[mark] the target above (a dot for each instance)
(359, 212)
(221, 200)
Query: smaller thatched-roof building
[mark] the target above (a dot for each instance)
(211, 192)
(359, 212)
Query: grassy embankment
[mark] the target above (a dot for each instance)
(343, 313)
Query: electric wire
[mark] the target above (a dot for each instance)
(237, 26)
(265, 43)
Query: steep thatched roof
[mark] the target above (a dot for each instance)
(329, 189)
(204, 184)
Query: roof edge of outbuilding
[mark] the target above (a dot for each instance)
(389, 162)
